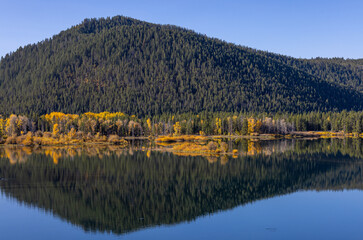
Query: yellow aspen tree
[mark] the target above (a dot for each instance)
(55, 130)
(148, 122)
(254, 126)
(177, 129)
(218, 126)
(251, 125)
(2, 126)
(72, 133)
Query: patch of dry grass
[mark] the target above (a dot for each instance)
(182, 138)
(210, 148)
(10, 140)
(47, 139)
(115, 139)
(190, 147)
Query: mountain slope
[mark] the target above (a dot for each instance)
(122, 64)
(346, 73)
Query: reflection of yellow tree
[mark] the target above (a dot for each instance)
(224, 159)
(148, 153)
(71, 152)
(212, 159)
(17, 155)
(131, 152)
(27, 150)
(54, 154)
(254, 148)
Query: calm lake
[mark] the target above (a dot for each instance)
(287, 189)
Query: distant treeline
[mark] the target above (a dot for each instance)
(106, 124)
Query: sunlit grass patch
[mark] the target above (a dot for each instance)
(182, 138)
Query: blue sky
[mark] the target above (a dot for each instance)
(299, 28)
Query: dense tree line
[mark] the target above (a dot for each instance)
(125, 65)
(123, 125)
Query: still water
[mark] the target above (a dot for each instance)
(291, 189)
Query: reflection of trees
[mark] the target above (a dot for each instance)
(17, 155)
(254, 146)
(121, 192)
(349, 146)
(246, 147)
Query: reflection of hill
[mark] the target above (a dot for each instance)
(121, 192)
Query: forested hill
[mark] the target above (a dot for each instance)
(122, 64)
(347, 73)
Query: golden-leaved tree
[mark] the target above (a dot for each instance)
(254, 125)
(177, 129)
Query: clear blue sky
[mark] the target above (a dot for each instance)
(299, 28)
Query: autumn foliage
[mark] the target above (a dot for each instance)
(60, 128)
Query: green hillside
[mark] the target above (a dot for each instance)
(122, 64)
(346, 73)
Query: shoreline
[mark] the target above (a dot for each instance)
(308, 135)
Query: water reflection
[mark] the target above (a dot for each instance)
(120, 190)
(242, 148)
(18, 154)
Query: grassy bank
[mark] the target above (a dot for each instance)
(47, 139)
